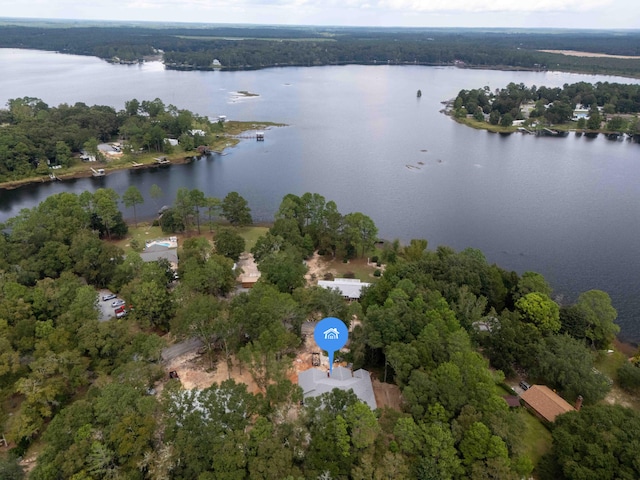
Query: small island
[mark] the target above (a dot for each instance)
(608, 108)
(145, 134)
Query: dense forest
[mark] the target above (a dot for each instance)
(238, 47)
(444, 326)
(612, 107)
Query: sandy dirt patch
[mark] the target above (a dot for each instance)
(573, 53)
(387, 395)
(194, 372)
(617, 397)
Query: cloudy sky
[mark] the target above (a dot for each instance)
(410, 13)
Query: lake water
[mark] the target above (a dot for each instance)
(568, 208)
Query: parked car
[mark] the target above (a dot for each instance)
(121, 314)
(108, 296)
(117, 302)
(524, 385)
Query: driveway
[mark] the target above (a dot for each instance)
(190, 345)
(106, 311)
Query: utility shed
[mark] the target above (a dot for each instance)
(349, 288)
(545, 403)
(315, 382)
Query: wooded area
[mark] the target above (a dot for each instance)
(433, 323)
(242, 47)
(35, 137)
(608, 107)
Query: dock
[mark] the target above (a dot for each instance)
(259, 136)
(161, 161)
(137, 165)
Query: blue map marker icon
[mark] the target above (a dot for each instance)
(331, 335)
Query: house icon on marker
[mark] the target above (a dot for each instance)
(331, 334)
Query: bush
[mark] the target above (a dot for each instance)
(374, 259)
(328, 276)
(629, 377)
(135, 245)
(377, 273)
(349, 275)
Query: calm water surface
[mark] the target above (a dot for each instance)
(568, 208)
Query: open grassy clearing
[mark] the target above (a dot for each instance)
(251, 235)
(536, 437)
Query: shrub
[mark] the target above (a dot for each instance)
(349, 275)
(374, 259)
(377, 273)
(629, 377)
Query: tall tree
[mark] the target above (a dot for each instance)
(105, 201)
(600, 315)
(131, 198)
(236, 210)
(197, 200)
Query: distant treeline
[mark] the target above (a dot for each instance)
(238, 47)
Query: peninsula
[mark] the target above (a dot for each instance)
(608, 108)
(145, 134)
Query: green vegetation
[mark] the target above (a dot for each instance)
(609, 108)
(235, 47)
(37, 141)
(81, 389)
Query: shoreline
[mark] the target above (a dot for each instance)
(25, 182)
(230, 140)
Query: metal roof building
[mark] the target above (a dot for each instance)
(315, 382)
(350, 288)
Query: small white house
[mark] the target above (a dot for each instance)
(349, 288)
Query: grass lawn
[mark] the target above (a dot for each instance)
(251, 235)
(142, 233)
(357, 266)
(536, 438)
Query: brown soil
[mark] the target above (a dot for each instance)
(194, 373)
(318, 266)
(387, 395)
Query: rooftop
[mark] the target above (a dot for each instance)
(546, 402)
(315, 382)
(348, 287)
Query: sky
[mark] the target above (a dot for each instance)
(591, 14)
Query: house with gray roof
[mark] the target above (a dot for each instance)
(349, 288)
(315, 382)
(164, 248)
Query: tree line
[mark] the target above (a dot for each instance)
(259, 47)
(434, 323)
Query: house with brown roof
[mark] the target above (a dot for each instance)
(545, 403)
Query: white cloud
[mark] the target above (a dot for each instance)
(451, 13)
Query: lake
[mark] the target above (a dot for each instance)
(568, 208)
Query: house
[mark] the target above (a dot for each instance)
(163, 248)
(171, 141)
(349, 288)
(315, 381)
(545, 403)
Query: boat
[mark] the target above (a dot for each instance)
(98, 173)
